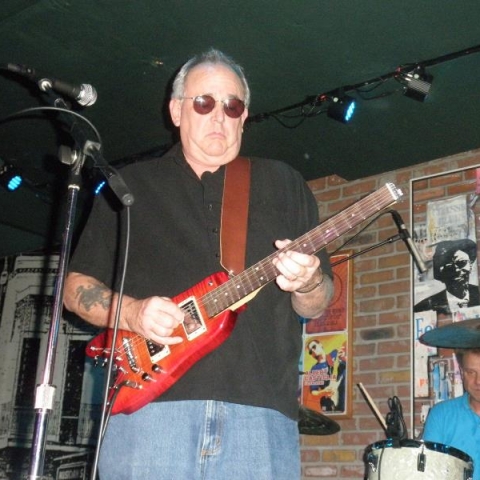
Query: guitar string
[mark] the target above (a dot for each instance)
(226, 290)
(315, 239)
(375, 202)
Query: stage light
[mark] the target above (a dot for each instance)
(10, 177)
(341, 108)
(418, 84)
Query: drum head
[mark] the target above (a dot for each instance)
(416, 460)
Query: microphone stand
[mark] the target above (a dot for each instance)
(45, 392)
(392, 239)
(401, 235)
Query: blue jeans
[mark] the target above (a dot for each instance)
(201, 440)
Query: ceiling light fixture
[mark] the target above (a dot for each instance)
(10, 177)
(341, 108)
(415, 84)
(418, 84)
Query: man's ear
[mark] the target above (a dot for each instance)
(175, 107)
(244, 117)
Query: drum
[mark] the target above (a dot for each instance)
(413, 460)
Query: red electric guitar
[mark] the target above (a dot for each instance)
(144, 370)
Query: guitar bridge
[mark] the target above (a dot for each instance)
(127, 348)
(193, 323)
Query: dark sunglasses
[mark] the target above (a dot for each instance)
(203, 104)
(459, 264)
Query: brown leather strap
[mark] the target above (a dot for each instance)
(233, 233)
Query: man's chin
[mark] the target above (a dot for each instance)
(219, 150)
(474, 396)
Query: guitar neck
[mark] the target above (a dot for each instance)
(263, 272)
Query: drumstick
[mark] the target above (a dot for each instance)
(373, 406)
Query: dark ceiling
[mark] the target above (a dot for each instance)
(292, 50)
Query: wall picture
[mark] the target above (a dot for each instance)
(325, 364)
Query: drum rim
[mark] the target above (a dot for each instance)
(434, 446)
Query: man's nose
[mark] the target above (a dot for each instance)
(218, 112)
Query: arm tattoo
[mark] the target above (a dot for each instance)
(96, 295)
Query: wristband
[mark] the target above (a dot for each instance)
(312, 288)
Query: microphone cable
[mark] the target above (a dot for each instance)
(396, 427)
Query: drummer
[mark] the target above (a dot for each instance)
(456, 422)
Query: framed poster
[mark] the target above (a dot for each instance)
(326, 361)
(444, 212)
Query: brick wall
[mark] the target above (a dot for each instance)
(381, 321)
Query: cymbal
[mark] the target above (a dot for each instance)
(463, 334)
(311, 422)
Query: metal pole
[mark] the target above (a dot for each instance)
(45, 392)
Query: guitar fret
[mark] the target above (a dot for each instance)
(234, 291)
(262, 277)
(265, 272)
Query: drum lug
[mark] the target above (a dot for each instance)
(421, 460)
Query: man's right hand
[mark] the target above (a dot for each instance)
(155, 318)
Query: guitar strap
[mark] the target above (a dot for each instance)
(233, 227)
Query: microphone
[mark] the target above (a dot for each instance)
(405, 236)
(84, 94)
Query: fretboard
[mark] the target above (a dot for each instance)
(263, 272)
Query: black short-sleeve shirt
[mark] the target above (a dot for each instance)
(174, 244)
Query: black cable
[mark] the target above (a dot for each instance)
(396, 427)
(63, 110)
(108, 386)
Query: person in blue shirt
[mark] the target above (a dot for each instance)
(456, 422)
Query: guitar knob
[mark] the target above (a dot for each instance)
(157, 368)
(147, 377)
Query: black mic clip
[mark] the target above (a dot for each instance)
(112, 176)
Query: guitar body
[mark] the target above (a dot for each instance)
(144, 370)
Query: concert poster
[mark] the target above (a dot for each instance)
(325, 368)
(445, 232)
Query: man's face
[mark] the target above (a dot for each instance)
(456, 272)
(471, 378)
(316, 350)
(214, 139)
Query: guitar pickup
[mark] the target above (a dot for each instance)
(157, 351)
(193, 323)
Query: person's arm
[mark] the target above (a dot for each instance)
(313, 298)
(301, 274)
(433, 431)
(154, 318)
